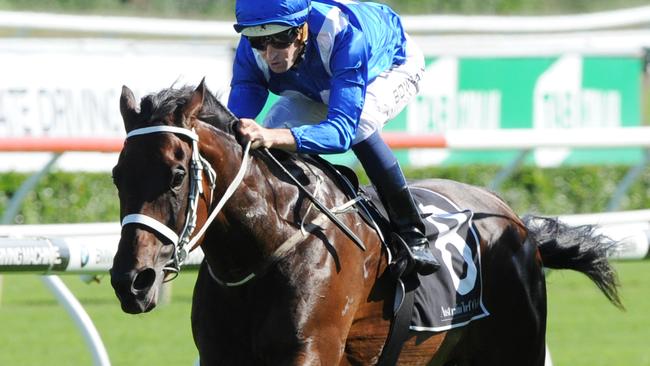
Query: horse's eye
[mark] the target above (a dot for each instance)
(178, 175)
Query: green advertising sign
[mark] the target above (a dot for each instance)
(539, 93)
(571, 91)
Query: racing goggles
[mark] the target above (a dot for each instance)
(280, 40)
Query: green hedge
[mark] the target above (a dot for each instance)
(63, 198)
(91, 197)
(224, 9)
(564, 190)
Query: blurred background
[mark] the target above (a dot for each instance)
(556, 92)
(223, 9)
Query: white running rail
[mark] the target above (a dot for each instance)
(417, 24)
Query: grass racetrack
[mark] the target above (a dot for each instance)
(36, 330)
(583, 328)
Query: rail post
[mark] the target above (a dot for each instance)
(645, 92)
(80, 317)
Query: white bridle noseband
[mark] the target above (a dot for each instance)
(197, 166)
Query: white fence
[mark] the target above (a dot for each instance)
(420, 24)
(89, 248)
(614, 32)
(86, 249)
(64, 248)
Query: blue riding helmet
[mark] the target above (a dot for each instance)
(287, 13)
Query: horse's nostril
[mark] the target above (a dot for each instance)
(144, 279)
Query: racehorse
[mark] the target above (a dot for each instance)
(281, 284)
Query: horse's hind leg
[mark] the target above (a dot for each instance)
(515, 295)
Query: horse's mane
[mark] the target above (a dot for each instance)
(171, 101)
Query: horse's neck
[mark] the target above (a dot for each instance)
(220, 148)
(258, 217)
(267, 213)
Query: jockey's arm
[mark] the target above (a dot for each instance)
(336, 133)
(277, 138)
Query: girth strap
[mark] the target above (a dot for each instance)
(399, 327)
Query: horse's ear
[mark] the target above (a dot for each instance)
(195, 103)
(128, 108)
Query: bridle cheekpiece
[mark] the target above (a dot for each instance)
(198, 165)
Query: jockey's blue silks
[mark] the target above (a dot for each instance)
(348, 46)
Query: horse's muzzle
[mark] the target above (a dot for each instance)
(135, 289)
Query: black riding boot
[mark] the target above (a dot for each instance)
(406, 221)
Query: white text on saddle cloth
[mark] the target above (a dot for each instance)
(448, 235)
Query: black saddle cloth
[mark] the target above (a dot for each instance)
(452, 296)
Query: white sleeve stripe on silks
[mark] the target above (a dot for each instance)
(335, 22)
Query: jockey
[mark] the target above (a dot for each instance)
(342, 69)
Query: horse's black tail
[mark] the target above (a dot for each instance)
(578, 248)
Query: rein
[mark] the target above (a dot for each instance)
(318, 204)
(287, 245)
(298, 236)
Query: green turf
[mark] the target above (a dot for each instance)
(584, 329)
(39, 332)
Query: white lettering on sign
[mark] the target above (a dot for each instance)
(441, 107)
(561, 102)
(583, 108)
(29, 256)
(71, 88)
(58, 112)
(465, 110)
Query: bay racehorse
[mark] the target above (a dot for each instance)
(281, 284)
